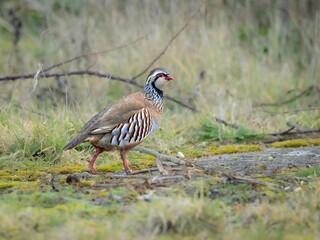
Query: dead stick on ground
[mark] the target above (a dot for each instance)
(248, 180)
(161, 168)
(116, 176)
(161, 179)
(159, 155)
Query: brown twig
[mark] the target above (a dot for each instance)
(251, 181)
(287, 135)
(303, 93)
(43, 72)
(93, 73)
(288, 132)
(161, 179)
(117, 176)
(183, 104)
(158, 155)
(81, 72)
(146, 170)
(161, 168)
(289, 111)
(52, 184)
(233, 125)
(168, 44)
(282, 132)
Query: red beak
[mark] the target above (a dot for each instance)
(169, 77)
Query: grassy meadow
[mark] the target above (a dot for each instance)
(233, 57)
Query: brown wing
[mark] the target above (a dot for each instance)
(105, 120)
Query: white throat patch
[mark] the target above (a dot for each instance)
(160, 82)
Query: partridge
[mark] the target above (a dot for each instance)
(126, 123)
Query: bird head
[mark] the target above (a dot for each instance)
(158, 77)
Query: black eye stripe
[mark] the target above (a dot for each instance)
(158, 75)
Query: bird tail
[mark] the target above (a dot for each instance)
(74, 142)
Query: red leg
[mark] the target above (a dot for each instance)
(92, 161)
(125, 162)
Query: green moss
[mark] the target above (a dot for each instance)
(5, 185)
(296, 143)
(102, 193)
(224, 149)
(22, 186)
(196, 152)
(135, 161)
(4, 173)
(67, 169)
(21, 180)
(234, 148)
(86, 183)
(27, 186)
(262, 167)
(314, 141)
(110, 167)
(21, 175)
(143, 161)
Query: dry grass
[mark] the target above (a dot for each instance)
(230, 50)
(57, 215)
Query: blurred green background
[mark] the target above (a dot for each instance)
(231, 57)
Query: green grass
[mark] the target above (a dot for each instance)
(236, 213)
(227, 46)
(310, 172)
(209, 130)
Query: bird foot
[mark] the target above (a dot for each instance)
(93, 171)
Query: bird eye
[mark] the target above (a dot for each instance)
(160, 75)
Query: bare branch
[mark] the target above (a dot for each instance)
(303, 93)
(233, 125)
(251, 181)
(168, 44)
(289, 111)
(282, 132)
(289, 134)
(183, 104)
(297, 132)
(93, 73)
(109, 76)
(158, 155)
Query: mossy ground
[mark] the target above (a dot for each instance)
(204, 208)
(40, 198)
(43, 203)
